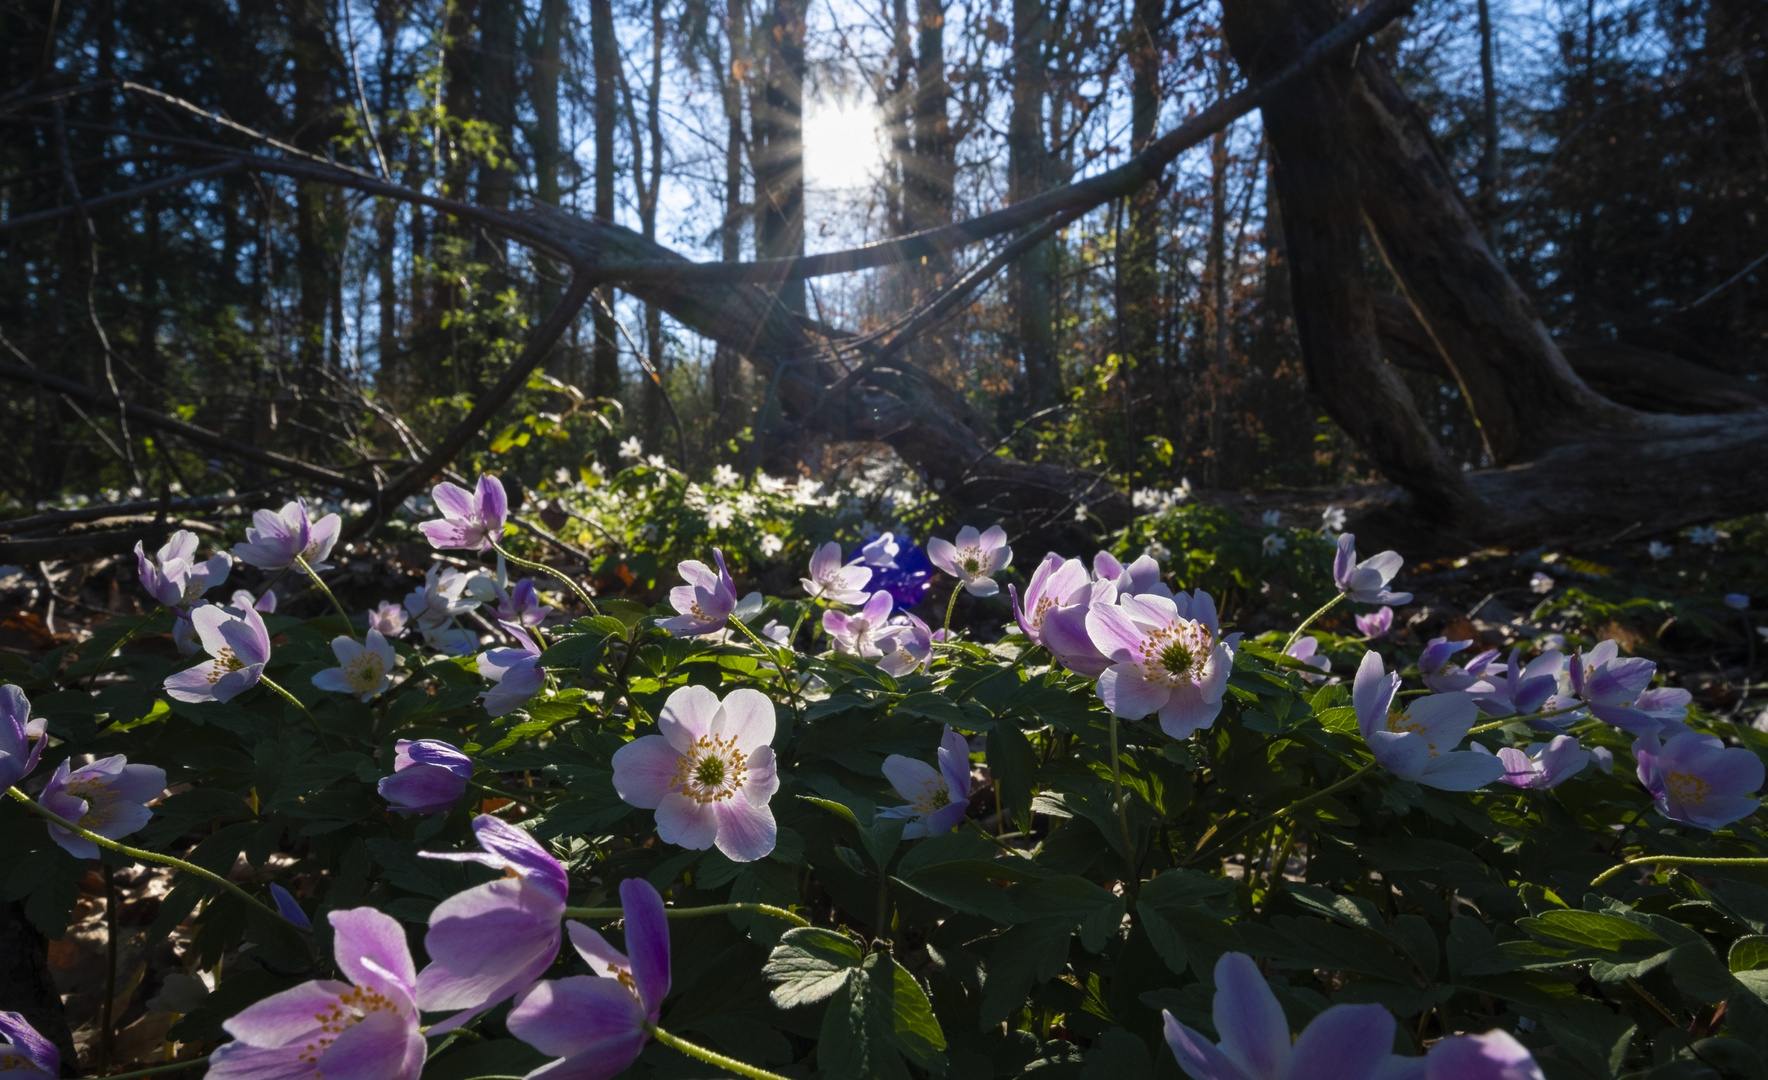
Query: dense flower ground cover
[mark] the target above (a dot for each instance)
(500, 827)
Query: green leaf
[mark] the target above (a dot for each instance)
(932, 706)
(1606, 934)
(810, 964)
(880, 1017)
(1749, 953)
(1013, 764)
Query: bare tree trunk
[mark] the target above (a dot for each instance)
(544, 93)
(935, 167)
(1488, 159)
(653, 397)
(605, 50)
(1138, 277)
(1031, 279)
(725, 358)
(778, 116)
(310, 53)
(386, 218)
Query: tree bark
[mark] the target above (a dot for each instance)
(1640, 379)
(726, 360)
(1031, 279)
(605, 50)
(651, 190)
(1138, 276)
(1488, 158)
(778, 118)
(548, 153)
(310, 55)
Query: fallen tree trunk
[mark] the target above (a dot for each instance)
(1641, 379)
(1577, 465)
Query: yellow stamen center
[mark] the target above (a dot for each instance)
(1686, 788)
(1174, 655)
(351, 1008)
(712, 770)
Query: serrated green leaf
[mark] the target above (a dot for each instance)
(809, 965)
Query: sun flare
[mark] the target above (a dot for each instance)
(843, 148)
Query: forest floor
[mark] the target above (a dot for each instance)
(1667, 603)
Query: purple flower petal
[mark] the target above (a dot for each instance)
(647, 942)
(1346, 1042)
(687, 715)
(377, 1047)
(1492, 1056)
(1255, 1035)
(748, 719)
(485, 944)
(584, 1017)
(686, 822)
(746, 830)
(26, 1045)
(1197, 1056)
(1129, 694)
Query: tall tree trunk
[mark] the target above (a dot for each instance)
(605, 50)
(386, 216)
(310, 55)
(779, 144)
(651, 189)
(935, 167)
(1031, 279)
(497, 104)
(725, 358)
(1138, 279)
(544, 93)
(1488, 158)
(1216, 278)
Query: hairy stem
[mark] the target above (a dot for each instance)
(710, 1057)
(159, 1070)
(144, 855)
(1123, 813)
(1672, 860)
(549, 571)
(694, 912)
(296, 702)
(329, 595)
(1309, 621)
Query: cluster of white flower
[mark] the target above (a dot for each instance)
(1157, 501)
(760, 511)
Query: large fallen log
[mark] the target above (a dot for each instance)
(1641, 379)
(1577, 464)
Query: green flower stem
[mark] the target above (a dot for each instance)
(329, 595)
(117, 646)
(1261, 823)
(160, 1070)
(767, 651)
(694, 912)
(143, 855)
(710, 1057)
(1508, 720)
(1672, 860)
(502, 794)
(549, 571)
(951, 606)
(296, 702)
(1309, 621)
(1123, 813)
